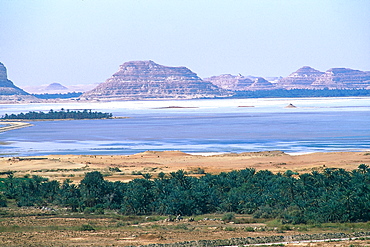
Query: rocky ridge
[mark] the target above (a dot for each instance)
(230, 82)
(55, 87)
(302, 78)
(343, 78)
(10, 92)
(335, 78)
(147, 79)
(261, 84)
(240, 83)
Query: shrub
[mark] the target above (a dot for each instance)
(229, 228)
(2, 201)
(249, 229)
(114, 169)
(87, 227)
(228, 216)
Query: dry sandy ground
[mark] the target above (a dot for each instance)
(73, 167)
(57, 231)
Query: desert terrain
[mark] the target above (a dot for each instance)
(58, 227)
(127, 167)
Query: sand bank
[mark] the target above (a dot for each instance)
(13, 125)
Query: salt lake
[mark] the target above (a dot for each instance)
(203, 126)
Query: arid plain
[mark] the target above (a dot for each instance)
(60, 167)
(54, 227)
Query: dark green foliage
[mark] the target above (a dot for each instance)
(2, 201)
(228, 217)
(87, 227)
(334, 195)
(58, 95)
(69, 195)
(62, 114)
(93, 189)
(31, 191)
(114, 169)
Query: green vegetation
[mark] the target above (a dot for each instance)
(58, 95)
(62, 114)
(334, 195)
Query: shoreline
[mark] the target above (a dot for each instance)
(12, 125)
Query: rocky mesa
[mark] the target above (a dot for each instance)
(302, 78)
(240, 83)
(230, 82)
(335, 78)
(10, 92)
(147, 80)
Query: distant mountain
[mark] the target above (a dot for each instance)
(10, 92)
(335, 78)
(230, 82)
(302, 78)
(261, 84)
(147, 79)
(55, 87)
(240, 83)
(343, 78)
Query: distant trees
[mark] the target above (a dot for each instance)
(58, 95)
(62, 114)
(333, 195)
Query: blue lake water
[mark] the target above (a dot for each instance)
(198, 126)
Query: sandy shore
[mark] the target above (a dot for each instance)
(75, 166)
(13, 125)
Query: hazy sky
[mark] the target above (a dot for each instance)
(85, 41)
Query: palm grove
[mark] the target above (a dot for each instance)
(62, 114)
(333, 195)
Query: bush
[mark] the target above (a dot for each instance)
(88, 210)
(87, 227)
(114, 169)
(229, 228)
(228, 217)
(2, 201)
(249, 229)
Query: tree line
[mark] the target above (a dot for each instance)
(58, 95)
(333, 195)
(62, 114)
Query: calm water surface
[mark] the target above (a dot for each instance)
(201, 126)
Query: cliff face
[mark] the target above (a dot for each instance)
(343, 78)
(302, 78)
(230, 82)
(7, 88)
(261, 84)
(335, 78)
(240, 83)
(146, 79)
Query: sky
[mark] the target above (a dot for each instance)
(84, 41)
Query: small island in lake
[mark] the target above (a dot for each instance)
(62, 114)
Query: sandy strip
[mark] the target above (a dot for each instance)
(154, 162)
(13, 125)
